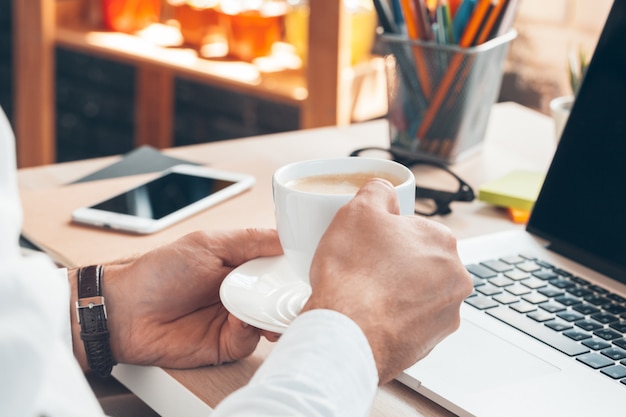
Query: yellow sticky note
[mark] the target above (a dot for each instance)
(518, 189)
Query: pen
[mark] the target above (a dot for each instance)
(406, 68)
(493, 16)
(413, 30)
(507, 18)
(423, 20)
(454, 6)
(444, 23)
(462, 16)
(397, 12)
(474, 24)
(385, 16)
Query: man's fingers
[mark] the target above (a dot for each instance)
(239, 246)
(379, 194)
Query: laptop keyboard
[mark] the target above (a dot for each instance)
(568, 313)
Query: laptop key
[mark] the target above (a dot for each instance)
(497, 265)
(570, 316)
(538, 331)
(523, 307)
(617, 298)
(518, 289)
(620, 327)
(517, 275)
(481, 271)
(541, 316)
(533, 283)
(577, 335)
(615, 371)
(597, 301)
(579, 292)
(586, 309)
(607, 334)
(552, 307)
(604, 318)
(620, 342)
(501, 281)
(599, 290)
(580, 281)
(566, 300)
(481, 302)
(614, 353)
(545, 274)
(558, 325)
(529, 267)
(615, 308)
(535, 298)
(563, 272)
(562, 283)
(488, 289)
(588, 325)
(506, 298)
(596, 344)
(595, 360)
(550, 291)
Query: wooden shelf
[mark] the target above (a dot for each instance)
(330, 92)
(158, 46)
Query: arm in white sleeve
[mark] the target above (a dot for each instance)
(322, 366)
(38, 372)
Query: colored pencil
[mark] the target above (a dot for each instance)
(388, 23)
(506, 20)
(385, 16)
(494, 15)
(413, 31)
(473, 26)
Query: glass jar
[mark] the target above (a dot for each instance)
(363, 21)
(198, 20)
(130, 15)
(252, 26)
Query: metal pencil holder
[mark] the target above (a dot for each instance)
(440, 96)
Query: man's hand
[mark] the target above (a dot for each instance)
(398, 277)
(164, 307)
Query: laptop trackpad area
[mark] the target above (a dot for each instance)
(474, 359)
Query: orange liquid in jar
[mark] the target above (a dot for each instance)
(197, 25)
(130, 15)
(251, 33)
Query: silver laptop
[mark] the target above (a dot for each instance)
(544, 333)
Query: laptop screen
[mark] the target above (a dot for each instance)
(581, 208)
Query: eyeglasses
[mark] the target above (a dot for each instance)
(436, 186)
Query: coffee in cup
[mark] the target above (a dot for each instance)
(342, 183)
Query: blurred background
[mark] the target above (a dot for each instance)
(240, 68)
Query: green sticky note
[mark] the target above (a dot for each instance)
(518, 189)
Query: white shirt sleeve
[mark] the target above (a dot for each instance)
(322, 366)
(38, 372)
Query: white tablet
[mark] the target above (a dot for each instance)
(176, 194)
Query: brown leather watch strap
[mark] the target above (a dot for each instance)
(92, 317)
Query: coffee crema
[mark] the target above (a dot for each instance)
(342, 183)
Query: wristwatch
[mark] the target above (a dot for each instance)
(92, 317)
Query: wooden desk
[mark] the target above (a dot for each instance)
(516, 138)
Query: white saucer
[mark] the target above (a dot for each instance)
(265, 293)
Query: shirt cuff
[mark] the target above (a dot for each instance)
(326, 354)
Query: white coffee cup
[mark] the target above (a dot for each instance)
(303, 213)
